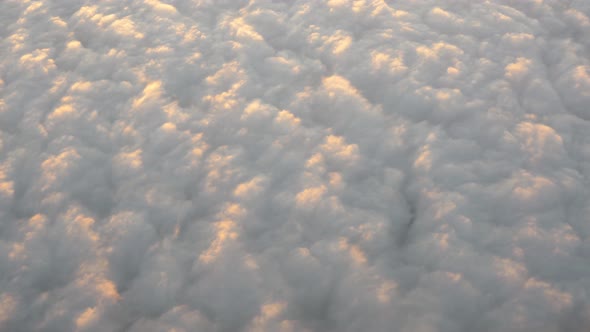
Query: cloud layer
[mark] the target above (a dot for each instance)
(271, 165)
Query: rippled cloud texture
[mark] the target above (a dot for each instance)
(265, 165)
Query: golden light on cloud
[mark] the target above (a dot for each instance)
(250, 188)
(385, 290)
(162, 8)
(261, 165)
(354, 251)
(122, 26)
(225, 231)
(530, 187)
(268, 312)
(56, 167)
(151, 92)
(581, 75)
(384, 61)
(559, 300)
(38, 61)
(424, 159)
(6, 186)
(335, 146)
(131, 160)
(309, 197)
(517, 70)
(8, 305)
(287, 119)
(86, 318)
(510, 270)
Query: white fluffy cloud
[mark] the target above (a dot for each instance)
(263, 165)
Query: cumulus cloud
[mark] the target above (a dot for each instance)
(295, 166)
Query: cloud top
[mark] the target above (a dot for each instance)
(308, 166)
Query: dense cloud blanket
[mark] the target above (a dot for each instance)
(274, 165)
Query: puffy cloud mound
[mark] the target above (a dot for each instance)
(264, 165)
